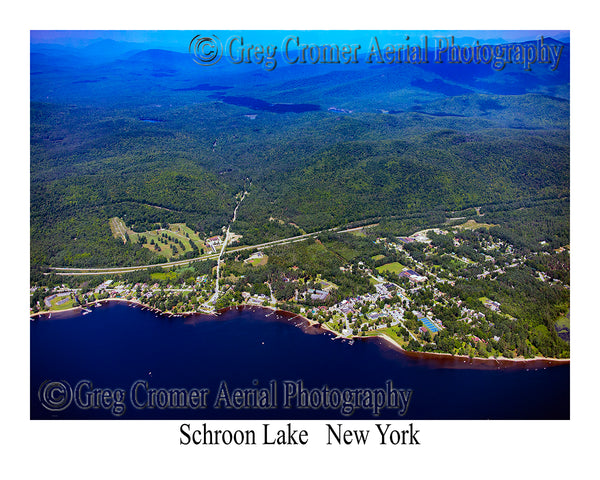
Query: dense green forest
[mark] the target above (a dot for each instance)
(87, 168)
(154, 139)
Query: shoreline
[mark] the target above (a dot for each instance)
(469, 361)
(466, 358)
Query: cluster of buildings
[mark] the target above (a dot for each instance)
(468, 315)
(317, 295)
(413, 276)
(214, 243)
(255, 300)
(494, 306)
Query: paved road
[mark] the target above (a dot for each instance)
(215, 295)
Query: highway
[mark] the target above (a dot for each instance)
(177, 263)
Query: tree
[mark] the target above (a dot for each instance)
(427, 336)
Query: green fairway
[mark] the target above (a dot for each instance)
(172, 242)
(118, 228)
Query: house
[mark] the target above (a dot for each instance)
(255, 256)
(257, 299)
(494, 306)
(412, 276)
(214, 242)
(319, 295)
(421, 237)
(103, 285)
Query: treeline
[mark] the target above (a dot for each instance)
(527, 226)
(535, 305)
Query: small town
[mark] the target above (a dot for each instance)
(410, 292)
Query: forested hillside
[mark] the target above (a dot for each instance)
(148, 137)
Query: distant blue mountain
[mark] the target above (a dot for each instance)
(109, 71)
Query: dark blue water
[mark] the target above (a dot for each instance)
(117, 345)
(261, 105)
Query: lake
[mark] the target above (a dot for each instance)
(257, 104)
(103, 357)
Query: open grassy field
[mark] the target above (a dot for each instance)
(473, 225)
(255, 262)
(172, 275)
(394, 267)
(167, 275)
(61, 303)
(390, 332)
(377, 257)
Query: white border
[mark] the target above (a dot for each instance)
(150, 449)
